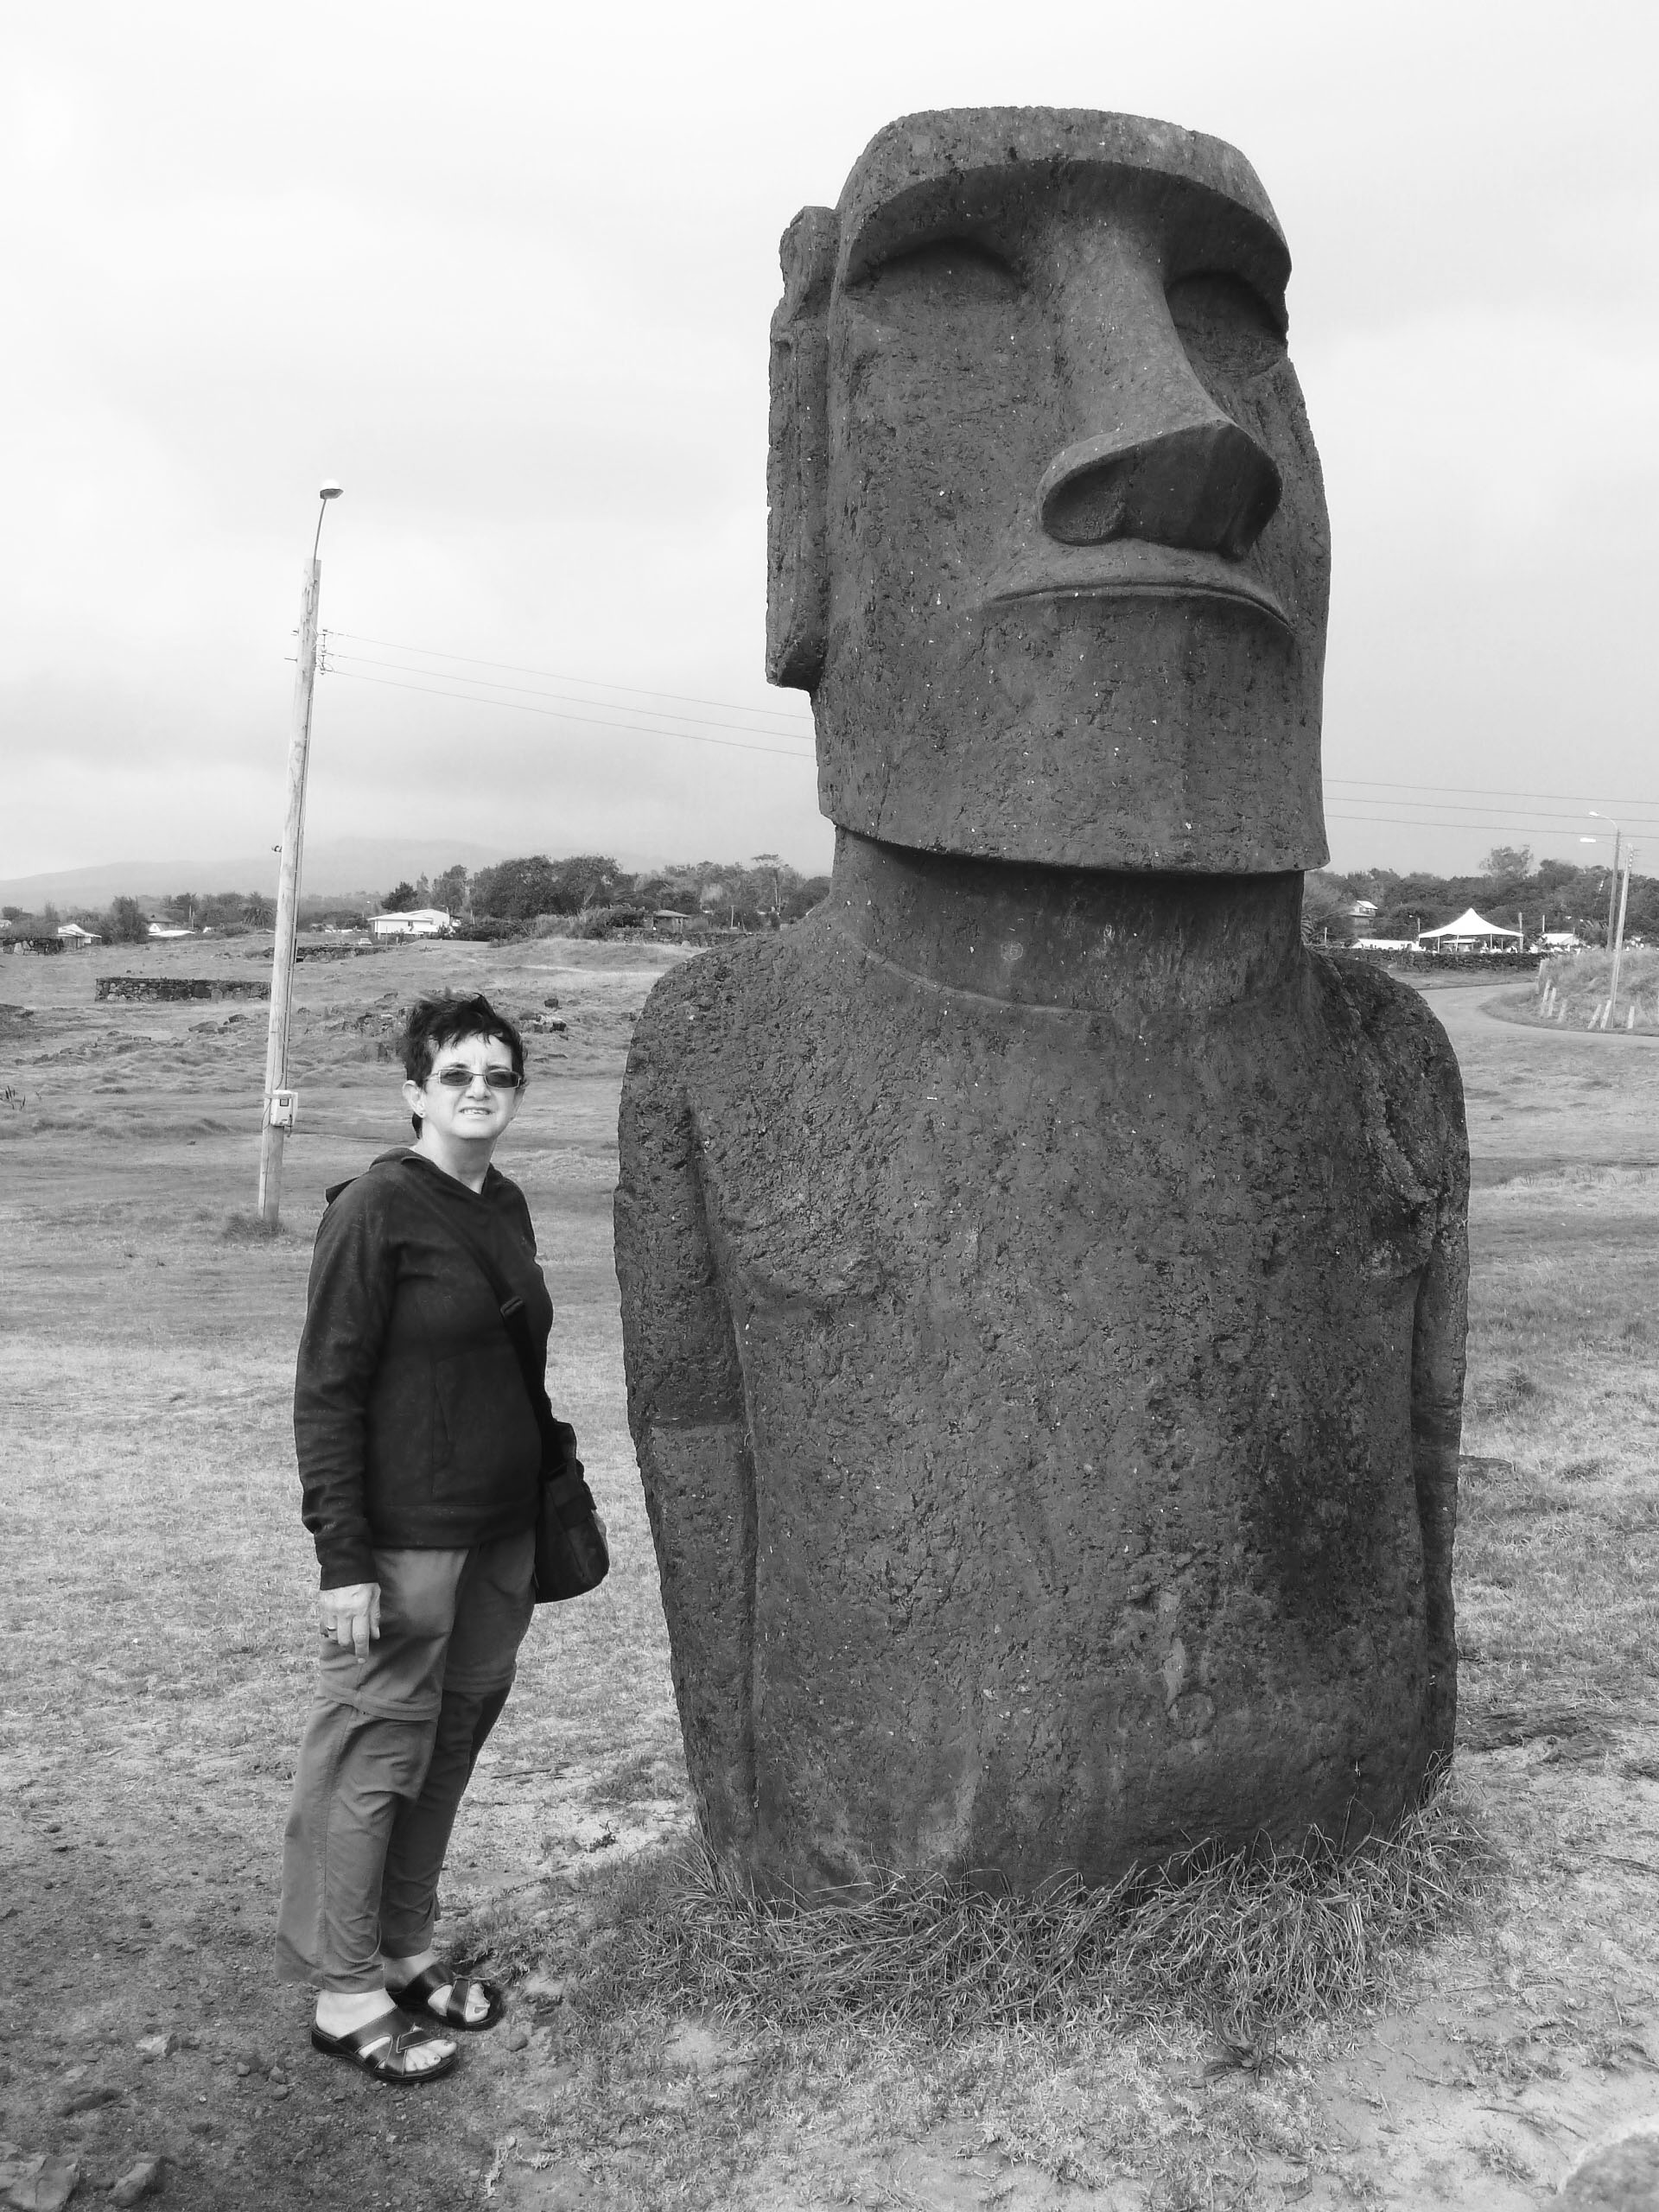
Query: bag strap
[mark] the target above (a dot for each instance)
(556, 1446)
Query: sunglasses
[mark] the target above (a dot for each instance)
(463, 1078)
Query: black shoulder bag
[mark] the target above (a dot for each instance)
(571, 1555)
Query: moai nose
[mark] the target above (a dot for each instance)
(1160, 460)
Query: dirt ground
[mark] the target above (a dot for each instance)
(156, 1644)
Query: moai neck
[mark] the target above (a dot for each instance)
(1134, 947)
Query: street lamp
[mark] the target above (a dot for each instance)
(280, 1101)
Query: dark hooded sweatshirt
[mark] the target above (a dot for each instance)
(412, 1422)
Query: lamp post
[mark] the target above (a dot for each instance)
(280, 1102)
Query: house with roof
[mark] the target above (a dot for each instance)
(419, 921)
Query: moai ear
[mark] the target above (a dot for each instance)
(797, 457)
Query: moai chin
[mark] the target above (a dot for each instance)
(1043, 1278)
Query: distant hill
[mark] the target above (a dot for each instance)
(334, 866)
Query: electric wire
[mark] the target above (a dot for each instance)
(346, 664)
(1434, 821)
(557, 676)
(1472, 806)
(549, 713)
(1476, 817)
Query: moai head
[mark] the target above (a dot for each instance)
(1048, 542)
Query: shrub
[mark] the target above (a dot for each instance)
(490, 928)
(126, 923)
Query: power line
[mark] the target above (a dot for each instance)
(361, 660)
(1498, 813)
(557, 676)
(548, 714)
(1491, 790)
(738, 745)
(1535, 819)
(731, 706)
(1429, 822)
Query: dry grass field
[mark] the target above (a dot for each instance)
(1574, 993)
(157, 1638)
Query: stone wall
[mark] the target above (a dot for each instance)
(181, 987)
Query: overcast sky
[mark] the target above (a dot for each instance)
(506, 271)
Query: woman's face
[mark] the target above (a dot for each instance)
(472, 1112)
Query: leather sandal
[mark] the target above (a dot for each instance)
(379, 2048)
(419, 1995)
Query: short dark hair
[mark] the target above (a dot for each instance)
(434, 1023)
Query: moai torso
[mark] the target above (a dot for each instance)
(1035, 1390)
(1042, 1278)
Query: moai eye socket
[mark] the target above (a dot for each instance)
(946, 278)
(1230, 334)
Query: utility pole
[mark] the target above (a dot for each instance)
(1612, 883)
(1612, 886)
(280, 1102)
(1619, 941)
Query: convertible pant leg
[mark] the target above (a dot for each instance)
(494, 1606)
(387, 1752)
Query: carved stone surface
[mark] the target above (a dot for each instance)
(1042, 1278)
(1622, 2175)
(1048, 533)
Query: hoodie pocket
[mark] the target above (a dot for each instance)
(485, 1441)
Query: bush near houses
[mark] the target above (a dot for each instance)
(591, 894)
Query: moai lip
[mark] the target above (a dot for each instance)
(1043, 1277)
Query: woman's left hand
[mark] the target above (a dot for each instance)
(351, 1616)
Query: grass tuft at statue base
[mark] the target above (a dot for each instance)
(1259, 1939)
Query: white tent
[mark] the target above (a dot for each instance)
(1471, 932)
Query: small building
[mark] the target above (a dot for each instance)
(76, 939)
(420, 921)
(1471, 932)
(1562, 941)
(161, 929)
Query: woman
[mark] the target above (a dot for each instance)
(420, 1462)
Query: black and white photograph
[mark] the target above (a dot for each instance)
(880, 788)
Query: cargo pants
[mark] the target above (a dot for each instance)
(389, 1747)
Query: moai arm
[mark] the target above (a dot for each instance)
(1437, 1370)
(685, 1408)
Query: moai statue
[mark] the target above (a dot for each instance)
(1043, 1277)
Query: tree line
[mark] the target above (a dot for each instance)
(1510, 884)
(126, 921)
(765, 891)
(762, 893)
